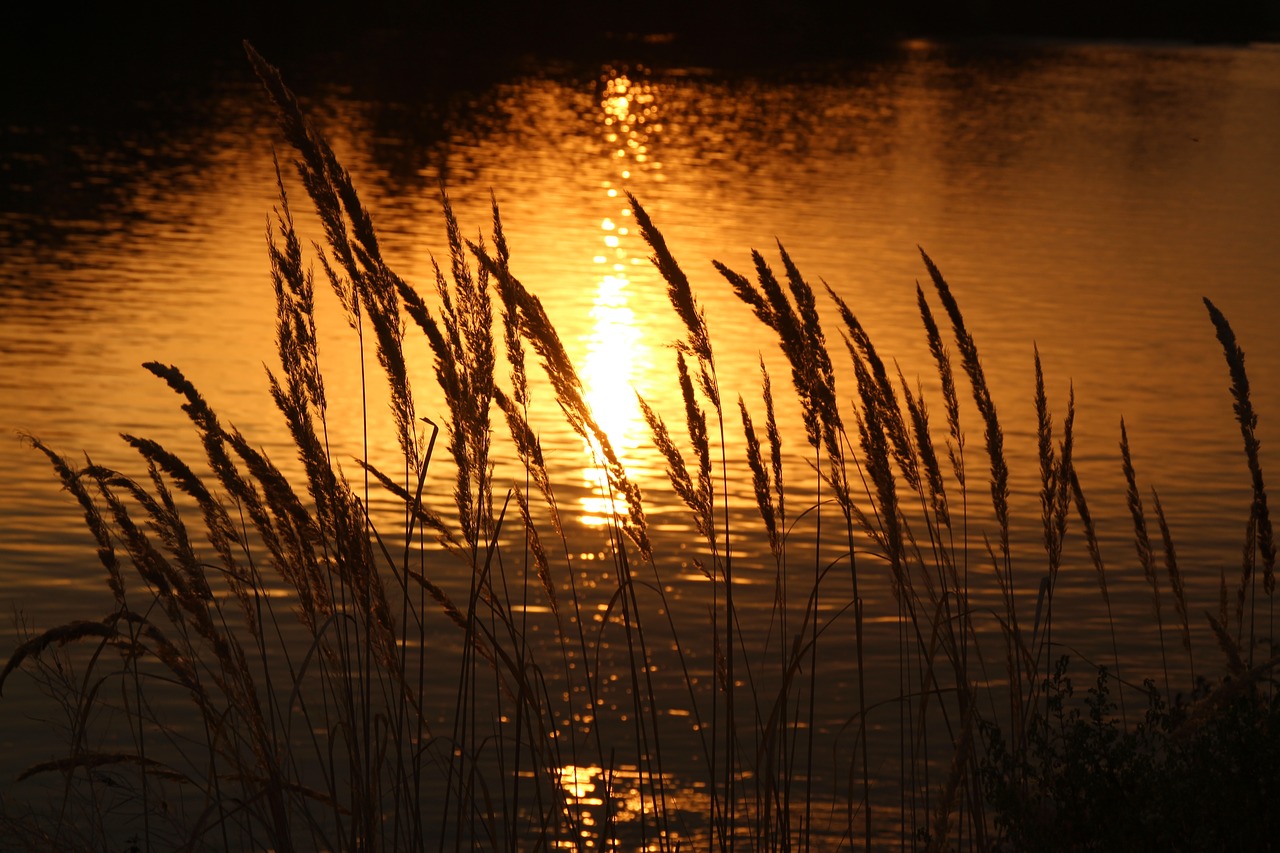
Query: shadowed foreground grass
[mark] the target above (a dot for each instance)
(280, 670)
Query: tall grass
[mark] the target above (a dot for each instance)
(279, 668)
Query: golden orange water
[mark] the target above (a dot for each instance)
(1078, 197)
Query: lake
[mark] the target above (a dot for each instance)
(1080, 198)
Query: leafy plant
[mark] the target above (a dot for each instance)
(1197, 774)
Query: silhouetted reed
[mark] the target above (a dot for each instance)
(282, 668)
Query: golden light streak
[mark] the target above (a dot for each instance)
(617, 349)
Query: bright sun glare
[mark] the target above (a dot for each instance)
(616, 349)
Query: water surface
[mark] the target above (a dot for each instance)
(1080, 198)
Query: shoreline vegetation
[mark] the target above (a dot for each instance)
(54, 60)
(310, 647)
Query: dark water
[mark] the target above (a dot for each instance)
(1079, 197)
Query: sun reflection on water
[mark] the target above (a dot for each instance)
(617, 351)
(614, 354)
(609, 809)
